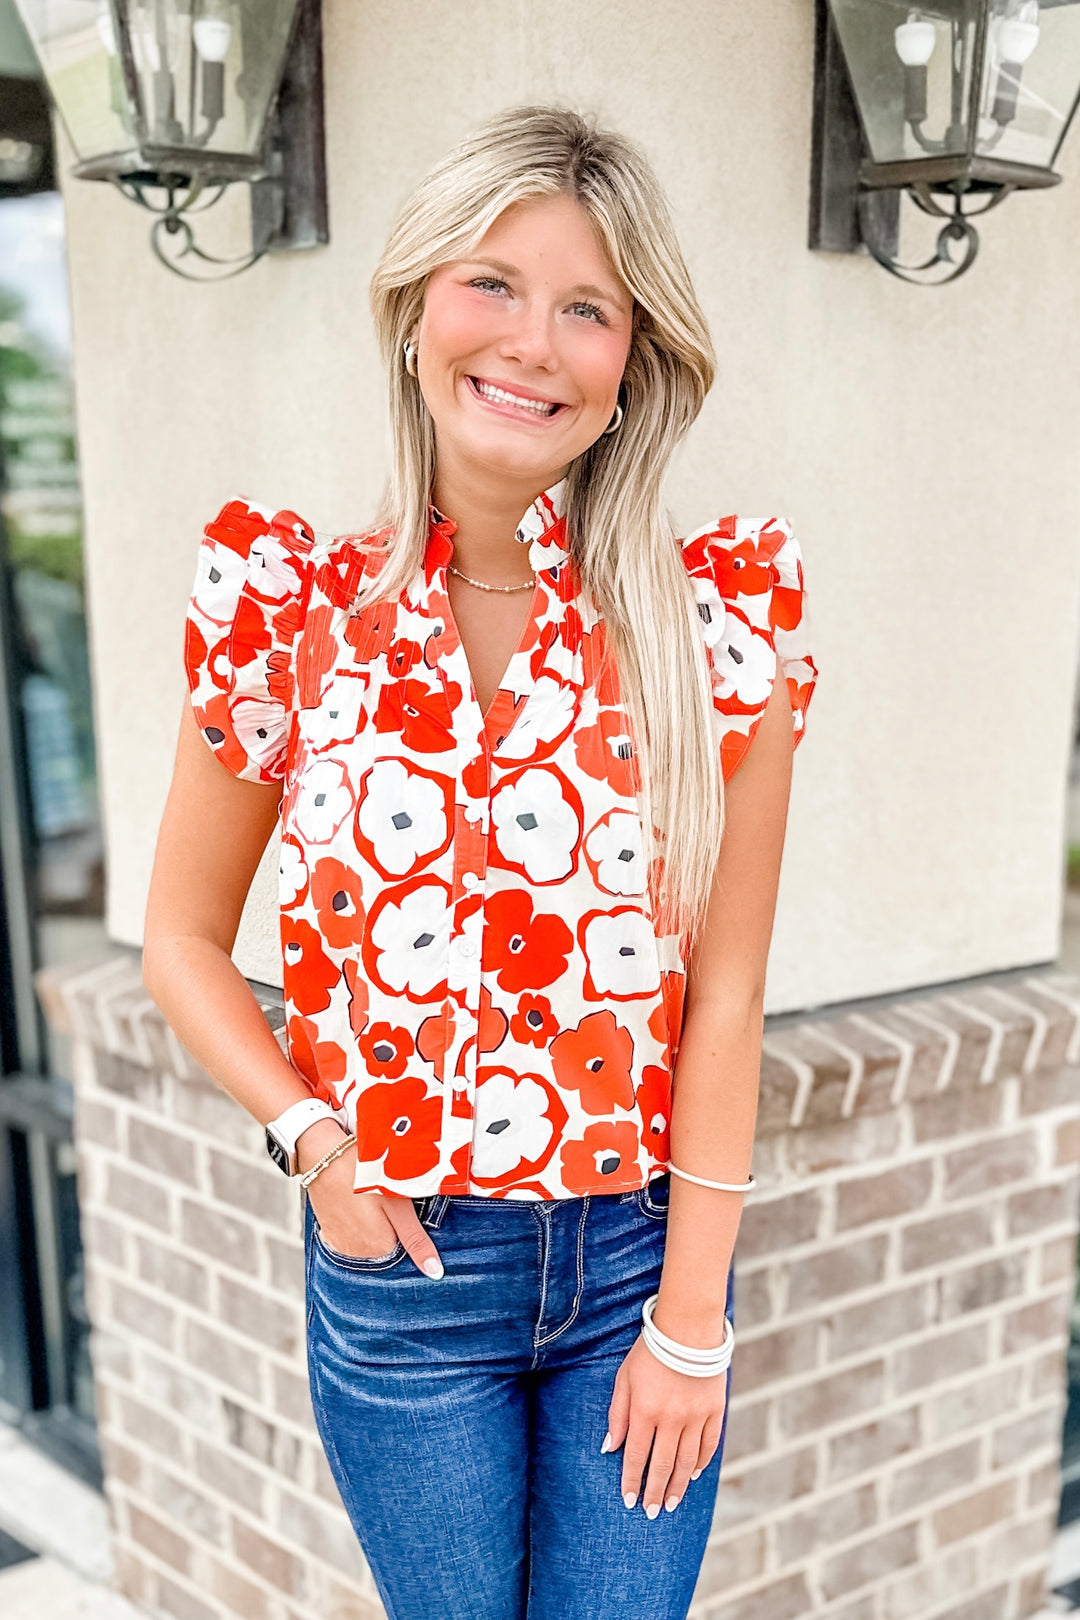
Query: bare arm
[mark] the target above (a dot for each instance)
(664, 1419)
(714, 1110)
(213, 833)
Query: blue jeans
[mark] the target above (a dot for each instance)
(462, 1417)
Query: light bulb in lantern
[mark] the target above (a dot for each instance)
(213, 36)
(1019, 35)
(915, 40)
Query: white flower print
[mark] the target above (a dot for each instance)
(409, 940)
(323, 800)
(336, 722)
(745, 662)
(292, 872)
(219, 579)
(272, 571)
(622, 953)
(260, 727)
(403, 816)
(509, 1126)
(548, 711)
(615, 851)
(535, 827)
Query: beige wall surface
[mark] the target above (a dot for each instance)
(923, 443)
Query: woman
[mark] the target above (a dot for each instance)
(497, 732)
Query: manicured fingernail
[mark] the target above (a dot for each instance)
(607, 1443)
(652, 1510)
(630, 1498)
(672, 1503)
(697, 1473)
(433, 1267)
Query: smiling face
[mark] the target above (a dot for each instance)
(522, 346)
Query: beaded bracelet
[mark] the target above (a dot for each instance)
(328, 1158)
(686, 1358)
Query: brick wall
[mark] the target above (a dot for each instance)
(903, 1279)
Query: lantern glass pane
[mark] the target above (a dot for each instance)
(205, 71)
(911, 69)
(72, 39)
(1025, 104)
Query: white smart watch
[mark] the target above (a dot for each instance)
(283, 1133)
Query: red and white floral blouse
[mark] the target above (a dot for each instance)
(470, 968)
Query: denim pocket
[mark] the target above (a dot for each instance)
(652, 1199)
(368, 1262)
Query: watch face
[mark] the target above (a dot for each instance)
(277, 1153)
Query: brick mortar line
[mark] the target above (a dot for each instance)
(779, 1389)
(230, 1559)
(811, 1566)
(225, 1552)
(212, 1386)
(908, 1151)
(216, 1270)
(792, 1253)
(99, 1205)
(121, 1330)
(267, 1472)
(880, 1292)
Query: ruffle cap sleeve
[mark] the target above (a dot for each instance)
(748, 581)
(252, 580)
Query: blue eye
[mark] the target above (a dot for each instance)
(592, 311)
(484, 282)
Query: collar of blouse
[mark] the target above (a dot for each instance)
(542, 530)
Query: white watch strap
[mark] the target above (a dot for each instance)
(289, 1126)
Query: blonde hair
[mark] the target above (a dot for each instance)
(617, 528)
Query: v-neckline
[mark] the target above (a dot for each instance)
(500, 714)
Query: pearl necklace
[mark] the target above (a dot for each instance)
(529, 583)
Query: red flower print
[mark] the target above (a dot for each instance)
(310, 975)
(432, 1038)
(419, 713)
(603, 1160)
(477, 966)
(534, 1023)
(371, 633)
(386, 1050)
(322, 1063)
(594, 1060)
(338, 896)
(524, 950)
(605, 751)
(654, 1108)
(395, 1118)
(493, 1023)
(251, 633)
(315, 655)
(402, 658)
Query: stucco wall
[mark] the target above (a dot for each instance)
(923, 443)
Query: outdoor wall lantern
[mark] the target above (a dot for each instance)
(958, 103)
(175, 100)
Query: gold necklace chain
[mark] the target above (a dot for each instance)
(480, 583)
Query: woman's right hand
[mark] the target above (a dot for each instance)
(361, 1225)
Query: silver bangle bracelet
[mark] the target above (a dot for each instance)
(723, 1186)
(686, 1358)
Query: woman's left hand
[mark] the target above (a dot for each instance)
(676, 1416)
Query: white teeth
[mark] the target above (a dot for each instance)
(539, 407)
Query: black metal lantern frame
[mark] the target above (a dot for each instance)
(880, 98)
(173, 101)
